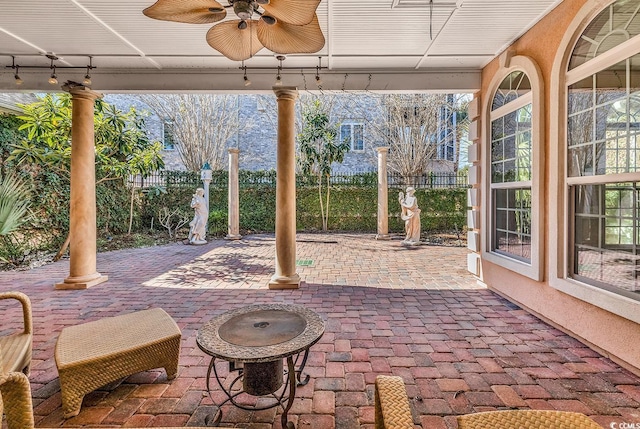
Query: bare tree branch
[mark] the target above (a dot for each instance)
(413, 126)
(203, 124)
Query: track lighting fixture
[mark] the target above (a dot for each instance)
(15, 67)
(247, 82)
(53, 77)
(16, 76)
(280, 58)
(279, 68)
(87, 77)
(318, 67)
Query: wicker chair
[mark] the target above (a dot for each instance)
(392, 409)
(15, 349)
(531, 419)
(15, 392)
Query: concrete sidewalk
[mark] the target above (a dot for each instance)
(414, 312)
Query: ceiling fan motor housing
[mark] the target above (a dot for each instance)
(243, 9)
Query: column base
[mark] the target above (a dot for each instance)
(383, 237)
(233, 237)
(285, 282)
(84, 282)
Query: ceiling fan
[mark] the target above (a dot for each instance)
(282, 26)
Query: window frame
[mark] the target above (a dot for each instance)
(559, 202)
(351, 125)
(510, 64)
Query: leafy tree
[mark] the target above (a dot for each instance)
(121, 144)
(318, 150)
(9, 136)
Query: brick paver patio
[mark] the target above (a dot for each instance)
(413, 312)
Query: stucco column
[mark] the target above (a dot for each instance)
(286, 276)
(234, 199)
(82, 213)
(383, 195)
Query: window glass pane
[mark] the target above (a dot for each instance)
(606, 132)
(513, 86)
(358, 138)
(345, 133)
(617, 23)
(606, 251)
(580, 97)
(167, 136)
(497, 150)
(497, 128)
(514, 150)
(580, 128)
(512, 236)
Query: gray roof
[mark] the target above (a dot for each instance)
(9, 101)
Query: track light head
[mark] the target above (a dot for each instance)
(16, 76)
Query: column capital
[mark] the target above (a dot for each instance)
(81, 91)
(286, 92)
(233, 150)
(382, 149)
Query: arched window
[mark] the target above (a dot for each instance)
(513, 169)
(603, 152)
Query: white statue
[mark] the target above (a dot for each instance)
(411, 216)
(198, 226)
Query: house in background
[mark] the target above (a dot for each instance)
(9, 102)
(353, 113)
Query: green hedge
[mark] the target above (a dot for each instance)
(352, 208)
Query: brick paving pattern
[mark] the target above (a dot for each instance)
(414, 312)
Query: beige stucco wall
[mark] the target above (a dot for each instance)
(612, 335)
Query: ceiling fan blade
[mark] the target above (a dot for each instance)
(283, 38)
(296, 12)
(232, 42)
(191, 12)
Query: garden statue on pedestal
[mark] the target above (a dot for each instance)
(198, 226)
(411, 216)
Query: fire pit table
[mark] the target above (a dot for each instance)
(255, 340)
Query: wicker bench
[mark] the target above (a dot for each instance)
(93, 354)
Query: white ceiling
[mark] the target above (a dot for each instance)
(377, 45)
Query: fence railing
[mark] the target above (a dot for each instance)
(430, 180)
(191, 179)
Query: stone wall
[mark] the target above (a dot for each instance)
(257, 135)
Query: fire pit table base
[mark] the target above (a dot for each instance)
(255, 341)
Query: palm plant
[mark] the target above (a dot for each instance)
(14, 203)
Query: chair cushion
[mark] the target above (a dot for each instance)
(16, 352)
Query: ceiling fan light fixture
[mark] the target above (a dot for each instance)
(268, 19)
(242, 25)
(262, 1)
